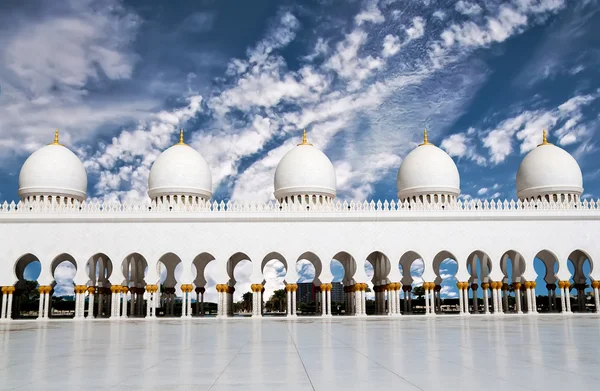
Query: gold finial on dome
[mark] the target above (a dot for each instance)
(544, 138)
(56, 138)
(425, 139)
(304, 141)
(181, 138)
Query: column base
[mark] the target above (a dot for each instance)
(291, 316)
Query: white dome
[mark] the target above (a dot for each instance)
(53, 170)
(305, 170)
(427, 170)
(548, 169)
(180, 170)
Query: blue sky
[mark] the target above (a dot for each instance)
(119, 78)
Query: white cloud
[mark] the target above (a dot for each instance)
(338, 88)
(468, 8)
(482, 191)
(347, 63)
(64, 275)
(391, 45)
(417, 30)
(527, 128)
(306, 271)
(439, 14)
(448, 291)
(123, 165)
(46, 65)
(462, 145)
(370, 14)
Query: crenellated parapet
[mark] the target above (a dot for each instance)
(275, 207)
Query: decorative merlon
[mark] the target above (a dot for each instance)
(58, 205)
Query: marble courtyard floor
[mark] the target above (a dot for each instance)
(544, 352)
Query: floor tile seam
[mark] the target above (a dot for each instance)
(376, 362)
(230, 361)
(34, 380)
(508, 356)
(300, 357)
(144, 370)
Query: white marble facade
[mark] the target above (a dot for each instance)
(117, 248)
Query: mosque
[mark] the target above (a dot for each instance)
(117, 249)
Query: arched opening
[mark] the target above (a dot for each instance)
(580, 266)
(343, 268)
(274, 269)
(479, 266)
(445, 267)
(412, 283)
(513, 290)
(308, 267)
(239, 269)
(206, 292)
(170, 305)
(377, 269)
(62, 301)
(26, 297)
(134, 269)
(99, 268)
(545, 265)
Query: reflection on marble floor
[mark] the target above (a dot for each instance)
(546, 352)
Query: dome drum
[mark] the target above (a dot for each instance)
(429, 195)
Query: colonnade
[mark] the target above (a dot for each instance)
(387, 299)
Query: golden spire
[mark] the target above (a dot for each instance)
(181, 138)
(544, 138)
(56, 138)
(425, 139)
(304, 142)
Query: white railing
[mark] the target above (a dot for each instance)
(58, 206)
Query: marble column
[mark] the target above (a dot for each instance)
(151, 301)
(494, 298)
(91, 290)
(466, 297)
(568, 295)
(9, 302)
(528, 297)
(357, 301)
(4, 302)
(396, 294)
(459, 285)
(432, 299)
(294, 307)
(486, 304)
(329, 300)
(595, 286)
(533, 298)
(474, 289)
(517, 289)
(256, 300)
(43, 307)
(323, 300)
(288, 300)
